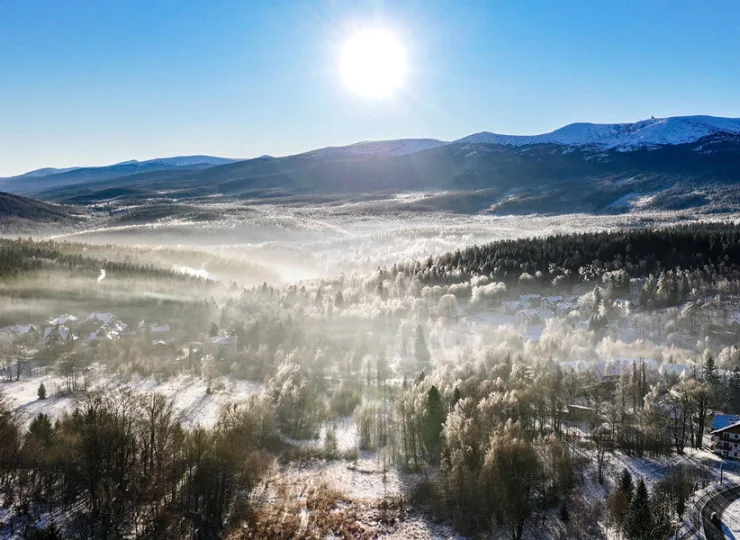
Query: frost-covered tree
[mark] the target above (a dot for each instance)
(513, 474)
(295, 400)
(421, 351)
(209, 370)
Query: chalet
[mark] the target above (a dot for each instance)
(679, 370)
(99, 319)
(552, 302)
(528, 316)
(726, 440)
(511, 307)
(154, 327)
(222, 346)
(579, 415)
(18, 331)
(58, 335)
(723, 420)
(65, 319)
(531, 300)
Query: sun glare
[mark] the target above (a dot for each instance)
(373, 63)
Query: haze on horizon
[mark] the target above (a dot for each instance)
(86, 84)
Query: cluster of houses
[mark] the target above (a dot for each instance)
(98, 326)
(534, 308)
(66, 329)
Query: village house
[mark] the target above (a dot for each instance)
(531, 300)
(511, 307)
(222, 346)
(97, 319)
(58, 335)
(725, 433)
(18, 331)
(98, 326)
(64, 319)
(154, 327)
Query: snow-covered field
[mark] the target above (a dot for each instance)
(193, 404)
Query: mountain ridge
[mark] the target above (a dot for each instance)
(658, 164)
(625, 136)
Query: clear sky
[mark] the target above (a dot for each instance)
(87, 82)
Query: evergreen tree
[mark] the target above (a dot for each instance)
(41, 429)
(640, 522)
(625, 484)
(710, 372)
(213, 331)
(42, 391)
(434, 417)
(456, 396)
(620, 499)
(733, 390)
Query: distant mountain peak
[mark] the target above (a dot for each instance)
(650, 132)
(397, 147)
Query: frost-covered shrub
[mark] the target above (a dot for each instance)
(447, 306)
(345, 399)
(295, 400)
(486, 293)
(372, 425)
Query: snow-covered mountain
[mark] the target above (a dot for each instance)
(398, 147)
(645, 133)
(184, 161)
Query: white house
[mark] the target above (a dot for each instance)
(726, 439)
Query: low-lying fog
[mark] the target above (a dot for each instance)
(283, 244)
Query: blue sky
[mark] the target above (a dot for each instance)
(95, 82)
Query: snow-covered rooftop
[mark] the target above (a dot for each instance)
(722, 421)
(104, 318)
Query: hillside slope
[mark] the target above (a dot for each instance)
(15, 209)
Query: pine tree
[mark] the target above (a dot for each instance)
(625, 484)
(710, 372)
(42, 391)
(456, 396)
(213, 331)
(640, 522)
(433, 419)
(733, 390)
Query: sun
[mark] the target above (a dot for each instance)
(373, 63)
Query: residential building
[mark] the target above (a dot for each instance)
(726, 440)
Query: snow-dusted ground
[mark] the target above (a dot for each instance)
(365, 481)
(193, 404)
(731, 520)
